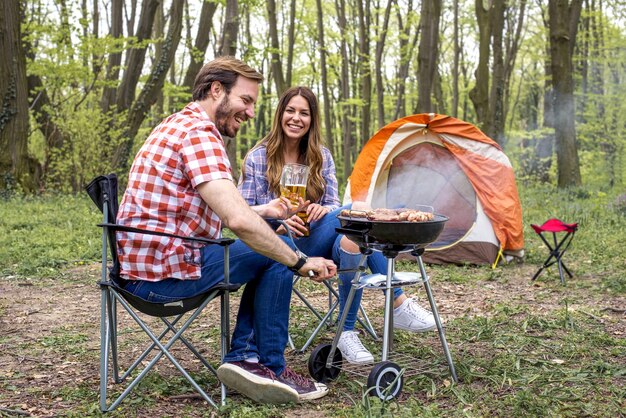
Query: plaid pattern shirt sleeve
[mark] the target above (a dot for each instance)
(330, 198)
(184, 151)
(254, 186)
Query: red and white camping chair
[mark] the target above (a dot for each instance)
(559, 244)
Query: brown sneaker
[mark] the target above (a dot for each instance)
(256, 381)
(307, 389)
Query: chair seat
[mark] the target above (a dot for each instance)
(555, 225)
(173, 308)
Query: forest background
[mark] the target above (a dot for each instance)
(83, 82)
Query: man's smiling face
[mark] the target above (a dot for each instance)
(237, 106)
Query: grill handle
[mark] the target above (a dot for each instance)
(358, 232)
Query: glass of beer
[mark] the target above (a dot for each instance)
(293, 185)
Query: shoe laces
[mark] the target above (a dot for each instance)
(295, 377)
(268, 371)
(353, 342)
(415, 310)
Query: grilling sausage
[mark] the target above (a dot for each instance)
(389, 215)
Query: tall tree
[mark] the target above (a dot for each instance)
(365, 73)
(109, 93)
(14, 164)
(201, 44)
(480, 92)
(456, 57)
(154, 83)
(564, 18)
(324, 76)
(276, 61)
(344, 95)
(228, 44)
(381, 38)
(406, 54)
(427, 54)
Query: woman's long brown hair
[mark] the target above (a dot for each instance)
(310, 146)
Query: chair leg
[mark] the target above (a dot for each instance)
(104, 347)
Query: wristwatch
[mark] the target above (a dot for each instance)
(301, 261)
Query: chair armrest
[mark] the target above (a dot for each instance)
(116, 227)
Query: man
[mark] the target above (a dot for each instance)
(181, 182)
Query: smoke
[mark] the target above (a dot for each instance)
(428, 174)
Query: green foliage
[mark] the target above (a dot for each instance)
(39, 236)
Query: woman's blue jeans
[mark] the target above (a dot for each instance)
(324, 242)
(263, 319)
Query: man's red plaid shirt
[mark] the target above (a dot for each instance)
(184, 151)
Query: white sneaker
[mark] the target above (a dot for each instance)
(412, 317)
(352, 349)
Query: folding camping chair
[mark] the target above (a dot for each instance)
(557, 247)
(103, 191)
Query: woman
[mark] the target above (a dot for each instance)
(295, 137)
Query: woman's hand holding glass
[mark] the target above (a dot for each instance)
(316, 212)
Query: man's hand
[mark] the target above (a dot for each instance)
(295, 224)
(322, 269)
(280, 208)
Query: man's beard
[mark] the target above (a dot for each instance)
(222, 116)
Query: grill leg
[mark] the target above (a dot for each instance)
(433, 307)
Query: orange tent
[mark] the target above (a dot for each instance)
(452, 166)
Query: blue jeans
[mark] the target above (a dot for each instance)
(324, 242)
(262, 322)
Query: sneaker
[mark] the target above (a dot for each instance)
(352, 349)
(412, 317)
(256, 381)
(306, 388)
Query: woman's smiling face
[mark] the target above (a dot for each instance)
(296, 119)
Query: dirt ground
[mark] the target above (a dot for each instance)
(40, 361)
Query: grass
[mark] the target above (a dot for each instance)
(546, 350)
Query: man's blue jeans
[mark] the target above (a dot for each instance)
(262, 322)
(324, 242)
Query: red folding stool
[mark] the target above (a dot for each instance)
(557, 249)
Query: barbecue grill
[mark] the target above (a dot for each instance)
(385, 379)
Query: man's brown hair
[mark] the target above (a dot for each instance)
(225, 70)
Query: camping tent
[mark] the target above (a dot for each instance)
(443, 162)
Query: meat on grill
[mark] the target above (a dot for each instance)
(389, 215)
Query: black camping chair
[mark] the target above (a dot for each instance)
(557, 247)
(103, 191)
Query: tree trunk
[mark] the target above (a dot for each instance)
(406, 53)
(291, 39)
(228, 44)
(153, 85)
(455, 62)
(202, 43)
(15, 165)
(276, 62)
(364, 69)
(480, 92)
(324, 75)
(346, 124)
(427, 54)
(109, 93)
(136, 56)
(380, 46)
(564, 17)
(494, 128)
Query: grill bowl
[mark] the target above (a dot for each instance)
(366, 232)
